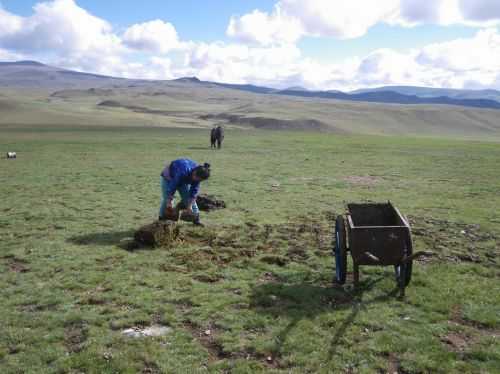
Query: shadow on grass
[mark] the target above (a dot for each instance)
(357, 306)
(102, 238)
(306, 301)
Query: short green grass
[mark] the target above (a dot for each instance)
(259, 276)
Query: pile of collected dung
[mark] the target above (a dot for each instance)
(187, 217)
(156, 234)
(209, 202)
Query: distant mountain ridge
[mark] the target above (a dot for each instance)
(33, 74)
(386, 97)
(391, 97)
(436, 92)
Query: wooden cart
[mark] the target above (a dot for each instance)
(375, 234)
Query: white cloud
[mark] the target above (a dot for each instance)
(480, 10)
(60, 26)
(291, 20)
(420, 11)
(437, 65)
(10, 56)
(154, 36)
(462, 63)
(239, 63)
(9, 23)
(339, 19)
(462, 55)
(262, 28)
(66, 35)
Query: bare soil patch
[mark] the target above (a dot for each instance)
(17, 265)
(141, 109)
(358, 180)
(75, 336)
(455, 341)
(456, 242)
(269, 123)
(208, 338)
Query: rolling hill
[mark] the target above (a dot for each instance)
(33, 94)
(32, 74)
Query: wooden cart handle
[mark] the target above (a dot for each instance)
(416, 255)
(372, 257)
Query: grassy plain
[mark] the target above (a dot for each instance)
(259, 276)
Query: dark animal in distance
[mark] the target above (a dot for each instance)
(11, 155)
(216, 137)
(219, 136)
(213, 139)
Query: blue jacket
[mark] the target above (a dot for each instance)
(178, 173)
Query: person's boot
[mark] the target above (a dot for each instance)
(197, 222)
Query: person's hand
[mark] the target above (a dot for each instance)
(169, 204)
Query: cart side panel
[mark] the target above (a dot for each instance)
(388, 244)
(374, 215)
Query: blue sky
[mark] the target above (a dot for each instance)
(193, 19)
(207, 21)
(320, 44)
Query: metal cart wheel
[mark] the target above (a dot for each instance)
(403, 272)
(340, 250)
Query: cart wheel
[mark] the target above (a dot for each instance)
(340, 250)
(403, 272)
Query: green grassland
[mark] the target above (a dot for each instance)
(259, 275)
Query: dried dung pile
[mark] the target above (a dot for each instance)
(158, 234)
(207, 203)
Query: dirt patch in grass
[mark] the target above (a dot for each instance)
(359, 180)
(270, 123)
(151, 368)
(140, 109)
(296, 252)
(208, 277)
(75, 336)
(465, 334)
(457, 342)
(277, 244)
(456, 242)
(66, 94)
(17, 265)
(275, 260)
(456, 317)
(393, 365)
(33, 308)
(268, 277)
(208, 338)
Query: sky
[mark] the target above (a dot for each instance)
(315, 44)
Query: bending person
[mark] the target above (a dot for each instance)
(183, 175)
